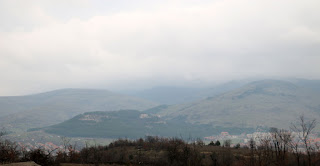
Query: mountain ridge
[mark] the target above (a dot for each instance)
(266, 99)
(56, 106)
(131, 124)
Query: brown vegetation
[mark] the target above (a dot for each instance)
(278, 148)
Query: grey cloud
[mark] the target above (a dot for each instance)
(109, 44)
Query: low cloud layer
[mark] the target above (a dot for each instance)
(120, 44)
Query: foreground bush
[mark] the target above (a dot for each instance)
(271, 151)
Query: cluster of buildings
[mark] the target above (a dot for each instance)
(47, 147)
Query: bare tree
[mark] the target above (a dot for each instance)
(66, 142)
(294, 145)
(227, 143)
(281, 140)
(252, 146)
(304, 129)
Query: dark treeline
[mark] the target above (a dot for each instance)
(277, 148)
(168, 151)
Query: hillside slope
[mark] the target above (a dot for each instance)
(56, 106)
(132, 124)
(261, 103)
(176, 95)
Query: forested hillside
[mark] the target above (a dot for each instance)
(53, 107)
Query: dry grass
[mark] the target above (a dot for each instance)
(30, 163)
(70, 164)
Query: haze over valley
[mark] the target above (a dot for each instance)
(170, 82)
(231, 107)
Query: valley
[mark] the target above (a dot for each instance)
(103, 114)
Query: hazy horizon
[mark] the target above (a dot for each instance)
(47, 45)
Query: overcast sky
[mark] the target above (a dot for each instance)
(115, 44)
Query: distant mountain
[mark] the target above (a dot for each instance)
(259, 104)
(56, 106)
(176, 95)
(132, 124)
(313, 85)
(263, 104)
(270, 103)
(168, 94)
